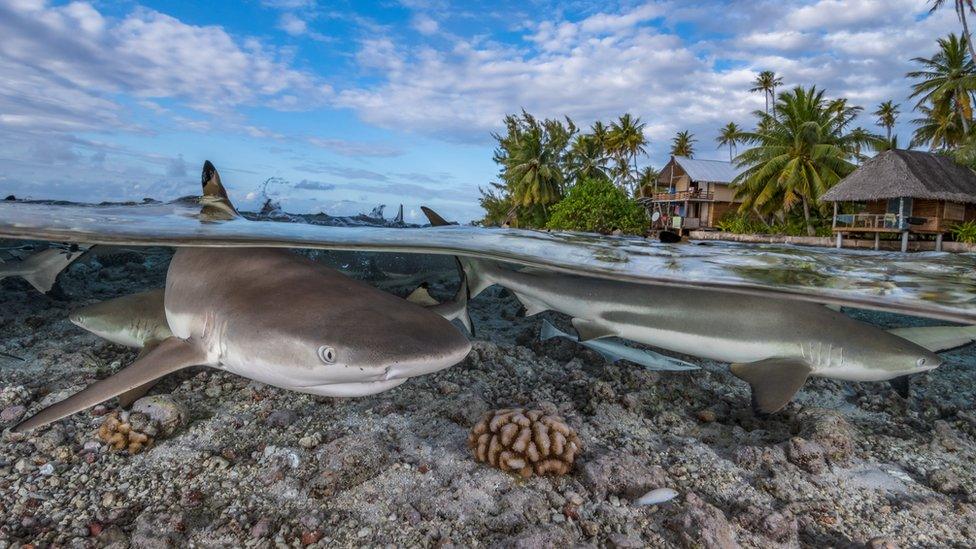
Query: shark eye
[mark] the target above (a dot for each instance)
(327, 354)
(920, 362)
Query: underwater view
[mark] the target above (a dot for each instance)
(321, 393)
(445, 274)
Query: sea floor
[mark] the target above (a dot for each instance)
(846, 465)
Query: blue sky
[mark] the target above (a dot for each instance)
(352, 104)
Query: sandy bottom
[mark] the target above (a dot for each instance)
(847, 464)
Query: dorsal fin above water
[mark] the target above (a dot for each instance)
(435, 219)
(215, 199)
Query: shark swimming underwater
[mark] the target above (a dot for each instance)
(775, 345)
(281, 319)
(41, 269)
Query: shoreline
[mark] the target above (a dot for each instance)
(830, 242)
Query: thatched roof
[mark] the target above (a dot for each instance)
(915, 174)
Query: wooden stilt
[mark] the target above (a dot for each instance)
(938, 242)
(839, 239)
(877, 241)
(904, 241)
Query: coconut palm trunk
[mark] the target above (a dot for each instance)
(806, 217)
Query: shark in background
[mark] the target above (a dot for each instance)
(272, 316)
(773, 344)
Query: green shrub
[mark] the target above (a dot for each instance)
(965, 232)
(597, 205)
(740, 224)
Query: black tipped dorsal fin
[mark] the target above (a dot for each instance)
(435, 219)
(215, 199)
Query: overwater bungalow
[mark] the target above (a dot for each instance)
(905, 193)
(692, 194)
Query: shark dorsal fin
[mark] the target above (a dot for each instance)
(421, 296)
(216, 202)
(435, 219)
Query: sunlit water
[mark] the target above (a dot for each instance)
(936, 285)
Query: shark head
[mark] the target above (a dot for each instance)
(888, 357)
(345, 343)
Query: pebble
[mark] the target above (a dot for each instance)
(46, 469)
(13, 413)
(281, 418)
(168, 413)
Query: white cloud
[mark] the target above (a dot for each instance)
(614, 62)
(292, 24)
(424, 24)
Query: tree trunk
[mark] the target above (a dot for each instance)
(965, 28)
(806, 217)
(965, 122)
(888, 131)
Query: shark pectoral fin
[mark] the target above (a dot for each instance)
(902, 385)
(421, 296)
(127, 398)
(169, 356)
(548, 331)
(532, 306)
(587, 329)
(774, 381)
(938, 338)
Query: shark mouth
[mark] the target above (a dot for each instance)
(353, 389)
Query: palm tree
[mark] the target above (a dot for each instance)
(961, 6)
(683, 144)
(887, 113)
(647, 178)
(938, 127)
(729, 135)
(766, 82)
(626, 141)
(949, 77)
(532, 154)
(844, 113)
(797, 156)
(587, 159)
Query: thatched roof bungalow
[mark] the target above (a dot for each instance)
(905, 192)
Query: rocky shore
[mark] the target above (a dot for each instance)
(237, 463)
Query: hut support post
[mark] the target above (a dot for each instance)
(877, 241)
(839, 239)
(834, 224)
(904, 241)
(938, 242)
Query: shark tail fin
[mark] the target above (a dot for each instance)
(169, 356)
(461, 297)
(41, 270)
(476, 271)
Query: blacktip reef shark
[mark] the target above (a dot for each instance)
(281, 319)
(41, 269)
(773, 344)
(137, 320)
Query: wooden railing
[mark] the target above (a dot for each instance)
(682, 195)
(880, 221)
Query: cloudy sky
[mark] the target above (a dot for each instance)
(349, 104)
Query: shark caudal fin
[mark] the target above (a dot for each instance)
(169, 356)
(774, 381)
(477, 271)
(41, 270)
(461, 298)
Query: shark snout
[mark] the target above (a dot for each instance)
(449, 348)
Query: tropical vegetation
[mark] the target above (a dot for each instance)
(541, 161)
(800, 145)
(597, 205)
